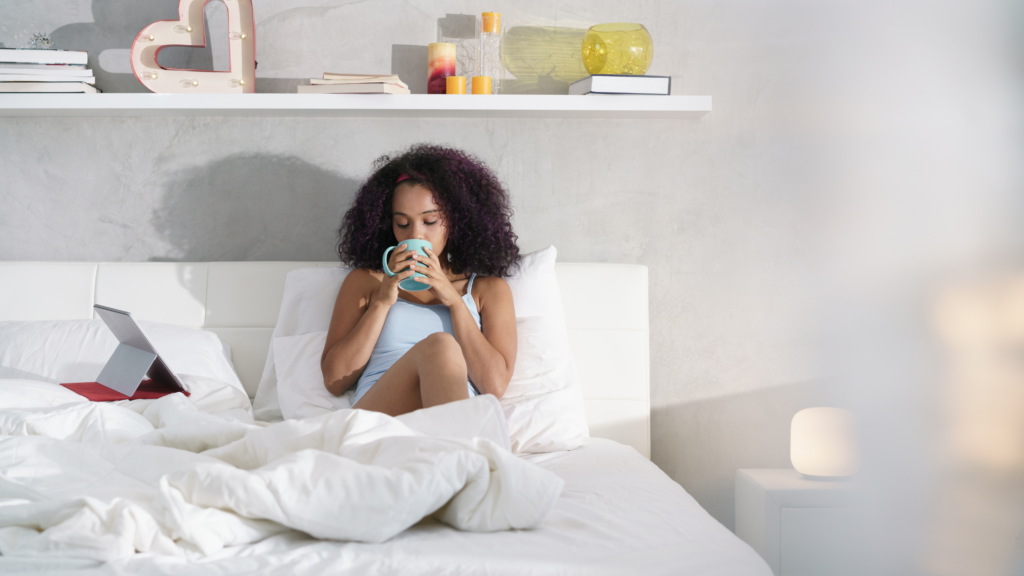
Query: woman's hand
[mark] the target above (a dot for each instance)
(400, 263)
(440, 286)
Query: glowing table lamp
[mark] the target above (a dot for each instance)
(823, 443)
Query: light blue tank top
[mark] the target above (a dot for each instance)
(406, 324)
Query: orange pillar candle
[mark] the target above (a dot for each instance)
(455, 85)
(440, 65)
(481, 84)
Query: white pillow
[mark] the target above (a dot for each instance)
(543, 403)
(62, 351)
(307, 306)
(535, 288)
(300, 383)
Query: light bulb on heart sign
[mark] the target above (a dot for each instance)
(189, 30)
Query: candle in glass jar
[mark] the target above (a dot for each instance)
(440, 65)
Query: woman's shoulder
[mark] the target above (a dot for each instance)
(365, 275)
(362, 280)
(490, 283)
(490, 287)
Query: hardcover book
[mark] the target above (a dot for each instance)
(43, 56)
(5, 77)
(391, 80)
(372, 88)
(622, 84)
(62, 69)
(43, 87)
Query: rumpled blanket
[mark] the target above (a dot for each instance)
(191, 475)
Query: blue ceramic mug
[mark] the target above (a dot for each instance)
(410, 283)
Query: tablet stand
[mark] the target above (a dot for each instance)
(134, 358)
(126, 369)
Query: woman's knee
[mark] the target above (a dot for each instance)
(442, 347)
(439, 342)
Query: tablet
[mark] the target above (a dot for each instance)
(134, 358)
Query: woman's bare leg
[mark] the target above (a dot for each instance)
(432, 372)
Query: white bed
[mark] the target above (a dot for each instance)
(618, 513)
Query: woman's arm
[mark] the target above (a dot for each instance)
(359, 313)
(490, 354)
(355, 326)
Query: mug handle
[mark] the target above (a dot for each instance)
(385, 261)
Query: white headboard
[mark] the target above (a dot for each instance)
(607, 320)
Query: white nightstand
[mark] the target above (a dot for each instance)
(801, 527)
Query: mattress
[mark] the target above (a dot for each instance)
(618, 514)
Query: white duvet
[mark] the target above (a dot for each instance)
(189, 476)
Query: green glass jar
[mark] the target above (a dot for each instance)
(620, 48)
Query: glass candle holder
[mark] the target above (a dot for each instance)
(620, 48)
(490, 50)
(463, 30)
(440, 65)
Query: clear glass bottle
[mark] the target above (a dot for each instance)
(490, 50)
(462, 31)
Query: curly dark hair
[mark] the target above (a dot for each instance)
(474, 205)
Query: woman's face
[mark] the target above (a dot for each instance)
(415, 216)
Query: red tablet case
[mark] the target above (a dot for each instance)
(97, 392)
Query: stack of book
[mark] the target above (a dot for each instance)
(622, 84)
(44, 70)
(333, 83)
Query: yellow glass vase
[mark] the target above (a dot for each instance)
(620, 48)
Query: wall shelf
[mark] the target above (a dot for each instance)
(355, 105)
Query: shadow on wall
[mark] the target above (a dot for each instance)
(713, 438)
(410, 63)
(253, 208)
(114, 27)
(280, 85)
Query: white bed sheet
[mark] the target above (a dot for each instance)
(618, 514)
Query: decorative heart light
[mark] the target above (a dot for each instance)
(188, 30)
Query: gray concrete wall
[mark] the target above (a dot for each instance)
(707, 204)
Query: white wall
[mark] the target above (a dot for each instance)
(711, 206)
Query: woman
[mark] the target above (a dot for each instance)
(409, 350)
